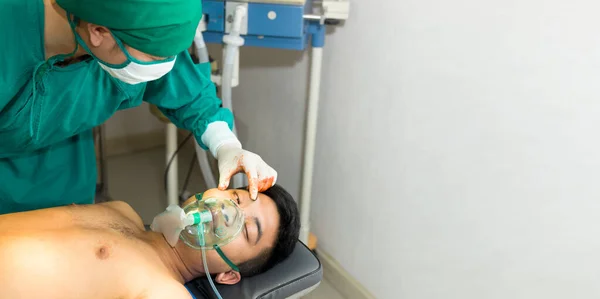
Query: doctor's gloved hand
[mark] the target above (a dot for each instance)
(225, 146)
(233, 159)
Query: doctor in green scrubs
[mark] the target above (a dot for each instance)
(67, 66)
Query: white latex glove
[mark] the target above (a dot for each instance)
(234, 159)
(225, 146)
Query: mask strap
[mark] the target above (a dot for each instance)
(131, 58)
(122, 47)
(79, 41)
(72, 25)
(224, 257)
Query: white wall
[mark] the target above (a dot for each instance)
(458, 153)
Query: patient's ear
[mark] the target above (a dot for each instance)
(230, 277)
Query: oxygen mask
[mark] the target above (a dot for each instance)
(205, 223)
(227, 222)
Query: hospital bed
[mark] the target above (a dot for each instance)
(295, 277)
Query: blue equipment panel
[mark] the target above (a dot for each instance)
(269, 25)
(288, 21)
(214, 15)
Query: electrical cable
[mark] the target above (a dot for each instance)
(173, 157)
(189, 174)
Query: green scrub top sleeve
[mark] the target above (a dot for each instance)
(58, 104)
(188, 98)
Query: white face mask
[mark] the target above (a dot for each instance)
(135, 73)
(132, 71)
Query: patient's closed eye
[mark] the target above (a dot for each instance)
(225, 216)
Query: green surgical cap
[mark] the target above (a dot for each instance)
(156, 27)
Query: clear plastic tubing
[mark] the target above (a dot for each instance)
(232, 43)
(212, 284)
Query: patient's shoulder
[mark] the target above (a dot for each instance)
(118, 205)
(126, 211)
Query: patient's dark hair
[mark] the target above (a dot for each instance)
(287, 235)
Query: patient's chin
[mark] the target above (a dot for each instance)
(228, 278)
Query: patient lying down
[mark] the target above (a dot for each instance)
(103, 250)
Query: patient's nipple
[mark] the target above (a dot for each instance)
(103, 252)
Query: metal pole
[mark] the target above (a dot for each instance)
(310, 141)
(172, 176)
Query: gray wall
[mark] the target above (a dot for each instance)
(457, 153)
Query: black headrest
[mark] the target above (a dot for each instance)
(300, 271)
